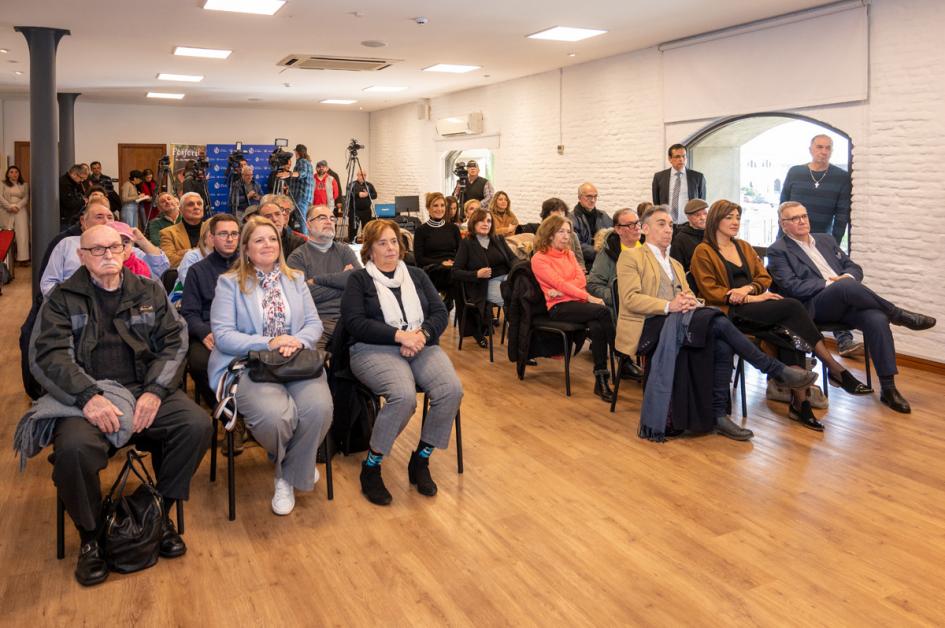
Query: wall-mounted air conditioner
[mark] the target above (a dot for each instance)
(469, 124)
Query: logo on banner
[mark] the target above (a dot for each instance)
(216, 150)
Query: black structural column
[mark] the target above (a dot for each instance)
(44, 167)
(66, 130)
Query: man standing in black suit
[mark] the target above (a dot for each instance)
(677, 185)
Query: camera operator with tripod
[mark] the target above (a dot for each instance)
(475, 187)
(195, 178)
(301, 181)
(361, 193)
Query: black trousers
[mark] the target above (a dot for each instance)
(198, 357)
(849, 302)
(600, 326)
(177, 440)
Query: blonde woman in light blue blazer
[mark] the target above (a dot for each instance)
(263, 304)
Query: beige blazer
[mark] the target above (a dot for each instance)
(174, 243)
(638, 283)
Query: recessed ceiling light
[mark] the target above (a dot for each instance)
(165, 95)
(385, 88)
(256, 7)
(186, 78)
(566, 33)
(451, 68)
(206, 53)
(4, 51)
(572, 54)
(18, 73)
(337, 101)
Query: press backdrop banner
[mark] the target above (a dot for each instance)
(257, 156)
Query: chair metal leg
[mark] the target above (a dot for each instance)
(620, 364)
(60, 527)
(459, 326)
(491, 358)
(459, 442)
(231, 475)
(866, 360)
(505, 324)
(213, 453)
(567, 365)
(744, 400)
(328, 479)
(179, 507)
(825, 380)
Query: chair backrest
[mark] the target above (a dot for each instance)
(615, 296)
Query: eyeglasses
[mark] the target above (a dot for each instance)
(227, 235)
(630, 225)
(592, 197)
(272, 217)
(323, 218)
(99, 251)
(797, 219)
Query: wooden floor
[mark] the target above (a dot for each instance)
(563, 517)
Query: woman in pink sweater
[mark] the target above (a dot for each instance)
(564, 285)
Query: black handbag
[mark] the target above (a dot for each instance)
(133, 523)
(273, 367)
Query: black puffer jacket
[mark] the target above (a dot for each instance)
(67, 330)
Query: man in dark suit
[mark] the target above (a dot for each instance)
(677, 185)
(817, 272)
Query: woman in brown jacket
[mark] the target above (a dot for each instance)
(731, 276)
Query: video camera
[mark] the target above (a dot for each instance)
(164, 162)
(279, 159)
(201, 164)
(461, 174)
(353, 148)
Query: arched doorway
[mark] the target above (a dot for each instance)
(745, 159)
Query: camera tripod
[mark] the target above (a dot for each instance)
(349, 217)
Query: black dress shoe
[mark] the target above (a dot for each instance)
(726, 427)
(91, 567)
(891, 397)
(418, 472)
(805, 416)
(372, 485)
(631, 371)
(849, 383)
(482, 342)
(602, 386)
(912, 320)
(172, 545)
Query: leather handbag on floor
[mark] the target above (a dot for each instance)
(271, 366)
(132, 523)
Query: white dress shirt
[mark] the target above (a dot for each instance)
(667, 267)
(813, 253)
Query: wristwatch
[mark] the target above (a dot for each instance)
(426, 334)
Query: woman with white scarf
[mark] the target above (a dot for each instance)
(393, 318)
(263, 304)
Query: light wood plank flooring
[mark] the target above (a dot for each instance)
(563, 517)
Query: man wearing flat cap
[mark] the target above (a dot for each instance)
(688, 235)
(478, 188)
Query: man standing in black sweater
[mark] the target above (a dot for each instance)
(362, 192)
(199, 289)
(71, 196)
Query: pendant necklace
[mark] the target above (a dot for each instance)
(817, 181)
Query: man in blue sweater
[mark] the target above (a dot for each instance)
(199, 289)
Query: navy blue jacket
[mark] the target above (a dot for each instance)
(199, 289)
(796, 275)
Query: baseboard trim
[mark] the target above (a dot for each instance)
(909, 361)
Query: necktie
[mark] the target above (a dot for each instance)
(674, 203)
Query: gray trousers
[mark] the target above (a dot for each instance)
(396, 378)
(289, 421)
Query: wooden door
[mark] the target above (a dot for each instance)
(138, 157)
(21, 158)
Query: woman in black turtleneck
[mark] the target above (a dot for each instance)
(435, 244)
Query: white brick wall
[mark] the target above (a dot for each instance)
(614, 135)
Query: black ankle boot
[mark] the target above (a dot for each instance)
(372, 485)
(418, 472)
(602, 385)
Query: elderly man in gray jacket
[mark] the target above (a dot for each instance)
(105, 323)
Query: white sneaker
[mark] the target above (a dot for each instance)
(283, 501)
(318, 476)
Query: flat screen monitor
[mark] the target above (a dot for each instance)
(407, 204)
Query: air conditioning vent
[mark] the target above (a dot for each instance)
(350, 64)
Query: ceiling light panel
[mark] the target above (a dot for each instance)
(205, 53)
(165, 95)
(337, 101)
(566, 33)
(256, 7)
(184, 78)
(452, 68)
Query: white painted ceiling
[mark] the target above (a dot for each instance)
(117, 48)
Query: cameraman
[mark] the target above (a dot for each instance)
(245, 192)
(478, 187)
(362, 192)
(194, 182)
(301, 180)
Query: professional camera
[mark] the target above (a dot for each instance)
(462, 174)
(354, 147)
(233, 161)
(279, 159)
(201, 164)
(164, 162)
